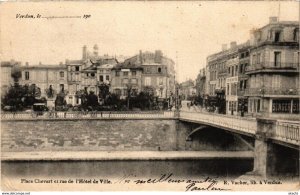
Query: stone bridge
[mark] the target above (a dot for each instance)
(275, 143)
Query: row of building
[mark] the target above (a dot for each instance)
(260, 76)
(146, 69)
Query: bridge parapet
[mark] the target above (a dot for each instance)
(287, 131)
(247, 125)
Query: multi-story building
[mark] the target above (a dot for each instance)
(157, 72)
(91, 71)
(274, 70)
(126, 77)
(236, 80)
(187, 89)
(88, 73)
(45, 77)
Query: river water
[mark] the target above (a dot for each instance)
(228, 168)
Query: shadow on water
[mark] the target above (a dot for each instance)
(229, 168)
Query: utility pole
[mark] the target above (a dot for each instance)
(176, 86)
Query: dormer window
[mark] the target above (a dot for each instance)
(277, 36)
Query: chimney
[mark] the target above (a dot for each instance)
(224, 47)
(40, 63)
(84, 53)
(232, 44)
(141, 57)
(60, 63)
(157, 56)
(273, 19)
(26, 64)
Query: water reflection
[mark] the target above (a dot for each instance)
(229, 168)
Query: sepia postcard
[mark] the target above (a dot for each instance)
(122, 96)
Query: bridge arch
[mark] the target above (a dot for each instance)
(189, 136)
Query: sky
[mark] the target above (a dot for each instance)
(187, 32)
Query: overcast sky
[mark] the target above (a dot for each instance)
(193, 29)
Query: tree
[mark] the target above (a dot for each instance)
(19, 97)
(83, 95)
(103, 92)
(129, 89)
(60, 102)
(16, 73)
(92, 101)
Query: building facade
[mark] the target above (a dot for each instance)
(274, 70)
(146, 69)
(261, 76)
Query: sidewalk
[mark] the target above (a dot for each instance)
(122, 155)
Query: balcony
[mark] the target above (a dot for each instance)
(270, 67)
(271, 91)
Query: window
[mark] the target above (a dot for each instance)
(277, 58)
(241, 85)
(228, 89)
(125, 81)
(107, 77)
(295, 108)
(277, 36)
(61, 74)
(160, 81)
(258, 58)
(76, 68)
(276, 81)
(118, 91)
(159, 70)
(26, 75)
(92, 74)
(147, 81)
(125, 92)
(117, 73)
(62, 87)
(133, 73)
(245, 84)
(125, 73)
(254, 59)
(101, 78)
(296, 34)
(134, 81)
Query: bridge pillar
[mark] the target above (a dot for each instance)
(263, 152)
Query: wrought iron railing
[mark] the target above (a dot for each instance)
(273, 66)
(248, 125)
(86, 115)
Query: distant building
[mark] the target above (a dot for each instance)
(45, 77)
(126, 77)
(201, 83)
(274, 70)
(88, 73)
(187, 89)
(6, 74)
